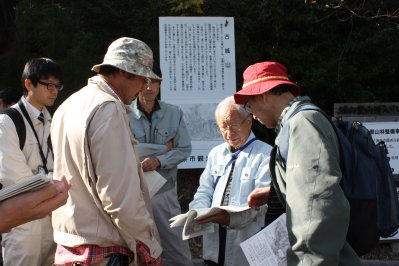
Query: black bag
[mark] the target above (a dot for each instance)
(367, 182)
(19, 123)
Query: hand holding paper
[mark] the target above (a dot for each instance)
(32, 205)
(222, 217)
(200, 221)
(29, 184)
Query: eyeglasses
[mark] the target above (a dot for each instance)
(247, 107)
(233, 127)
(51, 86)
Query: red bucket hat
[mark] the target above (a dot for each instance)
(262, 77)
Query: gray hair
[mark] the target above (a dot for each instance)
(228, 104)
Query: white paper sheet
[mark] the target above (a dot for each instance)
(154, 182)
(269, 246)
(30, 184)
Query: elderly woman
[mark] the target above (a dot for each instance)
(233, 170)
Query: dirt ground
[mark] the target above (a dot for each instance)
(382, 252)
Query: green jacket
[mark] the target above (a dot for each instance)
(317, 209)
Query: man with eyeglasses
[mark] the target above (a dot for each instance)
(108, 217)
(30, 243)
(164, 142)
(306, 166)
(233, 170)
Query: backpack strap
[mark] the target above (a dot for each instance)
(274, 206)
(19, 123)
(275, 154)
(335, 124)
(272, 164)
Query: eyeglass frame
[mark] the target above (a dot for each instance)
(232, 127)
(57, 87)
(246, 105)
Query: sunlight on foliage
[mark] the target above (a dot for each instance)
(187, 7)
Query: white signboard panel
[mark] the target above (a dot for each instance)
(389, 133)
(197, 58)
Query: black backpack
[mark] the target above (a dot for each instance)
(367, 182)
(19, 123)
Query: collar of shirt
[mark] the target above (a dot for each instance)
(109, 89)
(36, 112)
(156, 106)
(149, 115)
(228, 151)
(285, 110)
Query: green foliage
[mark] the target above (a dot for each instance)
(186, 7)
(338, 51)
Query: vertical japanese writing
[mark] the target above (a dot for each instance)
(197, 56)
(388, 132)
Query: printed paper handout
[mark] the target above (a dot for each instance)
(269, 246)
(29, 184)
(154, 182)
(188, 220)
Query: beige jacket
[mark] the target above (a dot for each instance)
(108, 202)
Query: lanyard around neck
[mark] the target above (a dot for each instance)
(25, 113)
(233, 158)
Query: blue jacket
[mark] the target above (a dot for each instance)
(167, 124)
(251, 171)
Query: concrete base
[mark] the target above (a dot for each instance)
(380, 262)
(200, 262)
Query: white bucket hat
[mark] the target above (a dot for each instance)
(130, 55)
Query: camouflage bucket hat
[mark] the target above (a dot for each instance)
(130, 55)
